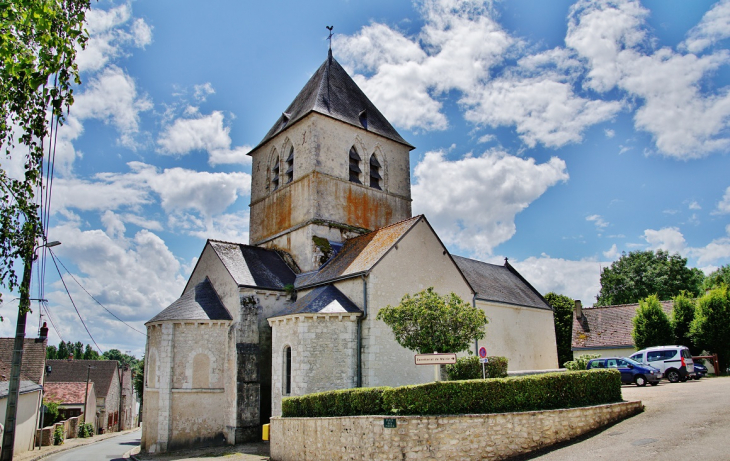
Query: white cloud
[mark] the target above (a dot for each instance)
(612, 253)
(203, 133)
(575, 279)
(723, 206)
(609, 133)
(696, 206)
(716, 251)
(201, 92)
(715, 26)
(669, 239)
(599, 222)
(472, 202)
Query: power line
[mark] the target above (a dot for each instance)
(92, 297)
(48, 314)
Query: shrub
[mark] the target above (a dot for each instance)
(537, 392)
(86, 430)
(58, 435)
(470, 368)
(580, 362)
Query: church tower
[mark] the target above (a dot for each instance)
(332, 167)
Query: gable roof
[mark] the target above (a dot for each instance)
(199, 303)
(608, 326)
(332, 92)
(358, 255)
(68, 393)
(74, 371)
(24, 388)
(34, 357)
(252, 266)
(502, 284)
(324, 299)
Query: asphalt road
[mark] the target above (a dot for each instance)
(111, 449)
(681, 421)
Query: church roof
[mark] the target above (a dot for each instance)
(501, 284)
(199, 303)
(358, 255)
(332, 92)
(324, 299)
(253, 266)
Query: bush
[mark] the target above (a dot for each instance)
(86, 430)
(527, 393)
(58, 435)
(580, 362)
(470, 368)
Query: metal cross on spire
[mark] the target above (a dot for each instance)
(329, 37)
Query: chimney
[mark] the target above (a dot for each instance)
(578, 309)
(70, 357)
(44, 331)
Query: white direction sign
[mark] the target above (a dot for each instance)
(435, 359)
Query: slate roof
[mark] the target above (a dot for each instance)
(332, 92)
(607, 326)
(25, 387)
(324, 299)
(252, 266)
(68, 393)
(358, 255)
(199, 303)
(74, 371)
(34, 357)
(501, 284)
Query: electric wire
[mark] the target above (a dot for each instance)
(48, 314)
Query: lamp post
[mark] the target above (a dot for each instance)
(11, 412)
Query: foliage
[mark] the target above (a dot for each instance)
(138, 380)
(580, 362)
(563, 315)
(643, 273)
(526, 393)
(86, 430)
(78, 349)
(470, 368)
(651, 325)
(52, 412)
(123, 359)
(58, 435)
(38, 45)
(427, 322)
(51, 352)
(90, 354)
(717, 278)
(711, 325)
(683, 313)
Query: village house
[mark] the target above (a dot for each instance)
(74, 400)
(332, 241)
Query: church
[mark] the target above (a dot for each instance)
(332, 241)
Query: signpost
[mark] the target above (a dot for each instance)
(436, 360)
(483, 359)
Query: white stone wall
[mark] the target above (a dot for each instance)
(323, 348)
(209, 265)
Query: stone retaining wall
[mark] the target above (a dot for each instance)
(487, 436)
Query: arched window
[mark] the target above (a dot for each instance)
(287, 371)
(355, 166)
(275, 174)
(375, 178)
(290, 166)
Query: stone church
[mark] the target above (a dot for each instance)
(332, 240)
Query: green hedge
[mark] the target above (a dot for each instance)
(470, 368)
(526, 393)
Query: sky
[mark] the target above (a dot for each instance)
(556, 134)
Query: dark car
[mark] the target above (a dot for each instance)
(700, 370)
(631, 371)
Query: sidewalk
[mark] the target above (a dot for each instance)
(256, 451)
(67, 445)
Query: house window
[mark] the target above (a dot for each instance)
(355, 166)
(375, 177)
(287, 370)
(275, 174)
(290, 166)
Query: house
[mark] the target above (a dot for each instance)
(74, 398)
(332, 241)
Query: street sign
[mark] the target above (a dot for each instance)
(483, 352)
(484, 360)
(435, 359)
(389, 423)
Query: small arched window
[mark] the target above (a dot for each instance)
(287, 371)
(290, 166)
(375, 177)
(275, 174)
(355, 170)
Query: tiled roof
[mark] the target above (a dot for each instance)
(6, 369)
(34, 356)
(253, 266)
(74, 371)
(607, 326)
(502, 284)
(199, 303)
(358, 255)
(25, 387)
(332, 92)
(324, 299)
(68, 393)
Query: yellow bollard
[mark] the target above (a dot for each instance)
(265, 435)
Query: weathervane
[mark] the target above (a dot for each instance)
(330, 35)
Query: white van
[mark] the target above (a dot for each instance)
(675, 362)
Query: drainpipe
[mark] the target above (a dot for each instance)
(476, 341)
(359, 329)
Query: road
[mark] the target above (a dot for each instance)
(111, 449)
(681, 421)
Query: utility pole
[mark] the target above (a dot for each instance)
(86, 398)
(11, 412)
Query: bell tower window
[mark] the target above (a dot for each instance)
(375, 178)
(275, 174)
(355, 166)
(290, 166)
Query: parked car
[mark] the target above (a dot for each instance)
(631, 371)
(675, 362)
(700, 370)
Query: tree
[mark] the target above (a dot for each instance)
(683, 313)
(711, 325)
(427, 322)
(717, 278)
(642, 273)
(62, 351)
(123, 359)
(651, 325)
(51, 352)
(563, 316)
(90, 354)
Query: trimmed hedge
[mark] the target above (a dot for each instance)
(470, 368)
(527, 393)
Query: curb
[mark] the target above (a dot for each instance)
(61, 448)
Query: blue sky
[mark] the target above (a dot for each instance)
(557, 134)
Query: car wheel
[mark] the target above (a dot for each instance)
(673, 376)
(640, 381)
(655, 383)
